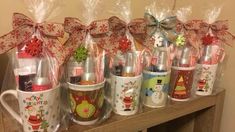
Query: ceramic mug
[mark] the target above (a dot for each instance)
(181, 83)
(86, 102)
(205, 78)
(39, 111)
(126, 91)
(155, 88)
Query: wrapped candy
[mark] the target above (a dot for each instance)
(85, 68)
(156, 76)
(214, 35)
(37, 57)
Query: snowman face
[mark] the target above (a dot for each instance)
(158, 88)
(158, 95)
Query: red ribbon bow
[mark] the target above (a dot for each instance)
(97, 29)
(24, 28)
(190, 30)
(219, 29)
(118, 28)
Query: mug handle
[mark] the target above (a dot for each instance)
(7, 107)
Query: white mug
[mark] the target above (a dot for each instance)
(205, 78)
(126, 91)
(39, 111)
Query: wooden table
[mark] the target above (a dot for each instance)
(200, 114)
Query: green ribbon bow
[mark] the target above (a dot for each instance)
(166, 26)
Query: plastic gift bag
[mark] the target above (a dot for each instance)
(126, 59)
(36, 57)
(156, 76)
(186, 54)
(88, 103)
(214, 35)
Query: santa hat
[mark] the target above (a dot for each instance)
(28, 107)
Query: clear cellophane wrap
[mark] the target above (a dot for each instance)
(35, 50)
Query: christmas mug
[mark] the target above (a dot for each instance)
(86, 102)
(205, 78)
(181, 83)
(155, 88)
(39, 111)
(126, 93)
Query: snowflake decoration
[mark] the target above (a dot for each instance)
(158, 40)
(124, 45)
(34, 47)
(209, 39)
(180, 40)
(81, 54)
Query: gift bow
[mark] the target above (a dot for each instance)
(166, 26)
(219, 29)
(119, 28)
(24, 28)
(190, 30)
(78, 32)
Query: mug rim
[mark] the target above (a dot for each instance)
(127, 77)
(77, 87)
(183, 68)
(208, 64)
(157, 73)
(37, 92)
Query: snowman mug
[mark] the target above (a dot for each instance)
(39, 111)
(155, 88)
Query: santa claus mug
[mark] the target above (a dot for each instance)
(39, 111)
(204, 79)
(126, 93)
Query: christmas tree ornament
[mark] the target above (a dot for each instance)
(86, 102)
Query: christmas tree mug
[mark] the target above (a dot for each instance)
(181, 83)
(205, 78)
(39, 111)
(126, 93)
(86, 102)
